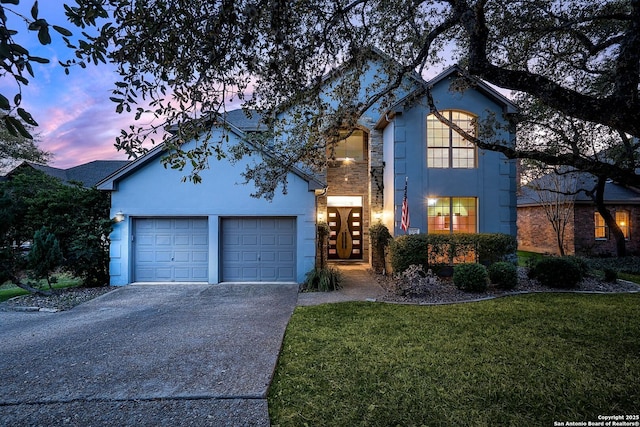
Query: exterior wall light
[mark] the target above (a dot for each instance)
(119, 217)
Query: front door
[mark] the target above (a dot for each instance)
(345, 238)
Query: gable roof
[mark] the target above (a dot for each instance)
(109, 183)
(453, 71)
(89, 174)
(614, 193)
(478, 84)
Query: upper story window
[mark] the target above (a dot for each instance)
(351, 147)
(445, 147)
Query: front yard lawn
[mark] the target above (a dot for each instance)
(526, 360)
(8, 290)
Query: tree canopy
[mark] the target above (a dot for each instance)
(572, 65)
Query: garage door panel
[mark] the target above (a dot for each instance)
(200, 256)
(250, 239)
(199, 240)
(249, 256)
(258, 249)
(171, 249)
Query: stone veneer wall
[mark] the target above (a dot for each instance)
(536, 234)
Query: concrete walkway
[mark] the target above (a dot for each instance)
(358, 285)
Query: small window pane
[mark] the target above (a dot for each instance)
(600, 226)
(622, 219)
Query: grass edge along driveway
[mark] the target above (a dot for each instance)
(526, 360)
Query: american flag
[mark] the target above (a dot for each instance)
(405, 208)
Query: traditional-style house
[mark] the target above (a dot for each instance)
(215, 232)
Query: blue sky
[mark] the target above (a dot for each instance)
(77, 121)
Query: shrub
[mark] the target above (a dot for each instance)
(503, 274)
(470, 277)
(556, 272)
(380, 238)
(610, 275)
(414, 282)
(409, 250)
(323, 279)
(45, 255)
(436, 250)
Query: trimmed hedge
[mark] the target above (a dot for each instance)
(437, 250)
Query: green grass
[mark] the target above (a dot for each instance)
(524, 256)
(527, 360)
(635, 278)
(8, 291)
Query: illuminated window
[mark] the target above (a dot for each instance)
(446, 215)
(445, 147)
(351, 147)
(601, 229)
(600, 226)
(622, 219)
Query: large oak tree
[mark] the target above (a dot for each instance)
(571, 65)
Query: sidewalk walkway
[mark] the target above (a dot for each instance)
(358, 285)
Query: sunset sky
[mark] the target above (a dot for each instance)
(78, 122)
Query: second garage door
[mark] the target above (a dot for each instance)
(258, 249)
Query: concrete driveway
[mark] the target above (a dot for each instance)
(146, 355)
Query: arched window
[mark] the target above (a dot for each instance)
(445, 147)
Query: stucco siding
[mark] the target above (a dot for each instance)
(154, 191)
(492, 182)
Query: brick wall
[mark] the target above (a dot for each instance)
(586, 244)
(536, 234)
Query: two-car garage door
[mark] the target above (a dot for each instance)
(256, 249)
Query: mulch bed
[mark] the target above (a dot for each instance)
(60, 300)
(446, 292)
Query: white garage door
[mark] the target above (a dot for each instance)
(258, 250)
(171, 250)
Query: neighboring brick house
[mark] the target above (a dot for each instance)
(586, 233)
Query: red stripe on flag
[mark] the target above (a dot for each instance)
(405, 209)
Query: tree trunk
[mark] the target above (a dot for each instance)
(31, 289)
(616, 232)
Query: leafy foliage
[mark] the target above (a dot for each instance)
(45, 255)
(557, 272)
(571, 65)
(436, 250)
(470, 277)
(380, 238)
(77, 216)
(323, 279)
(503, 274)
